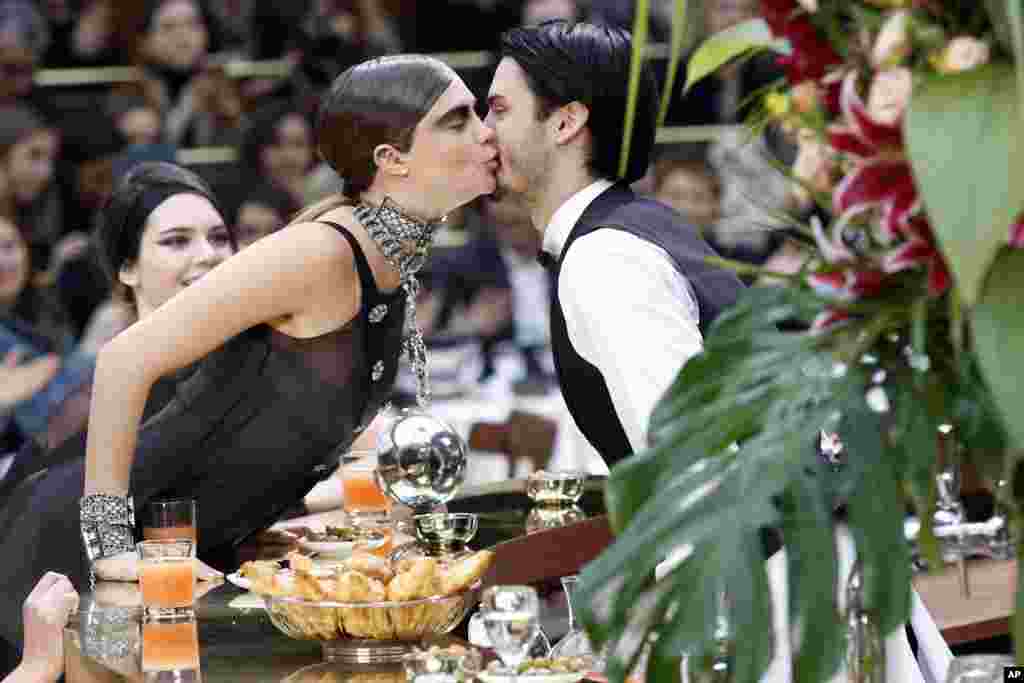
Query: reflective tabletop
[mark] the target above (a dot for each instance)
(231, 637)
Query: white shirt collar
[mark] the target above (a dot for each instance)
(568, 214)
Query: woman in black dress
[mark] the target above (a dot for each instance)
(297, 340)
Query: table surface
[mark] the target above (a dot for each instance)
(237, 642)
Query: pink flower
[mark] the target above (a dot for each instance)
(882, 176)
(1017, 234)
(848, 284)
(920, 251)
(828, 318)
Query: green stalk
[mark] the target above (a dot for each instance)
(1016, 14)
(675, 55)
(956, 323)
(1018, 613)
(640, 22)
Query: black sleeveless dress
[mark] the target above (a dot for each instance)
(248, 434)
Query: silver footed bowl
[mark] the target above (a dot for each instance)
(421, 461)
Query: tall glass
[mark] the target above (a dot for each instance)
(167, 578)
(363, 499)
(511, 615)
(170, 650)
(575, 643)
(170, 519)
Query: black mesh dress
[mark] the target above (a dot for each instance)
(247, 435)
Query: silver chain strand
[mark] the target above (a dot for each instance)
(388, 226)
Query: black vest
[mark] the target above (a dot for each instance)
(583, 385)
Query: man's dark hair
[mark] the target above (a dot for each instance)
(578, 62)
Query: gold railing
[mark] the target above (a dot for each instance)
(281, 68)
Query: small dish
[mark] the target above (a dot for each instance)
(558, 488)
(335, 550)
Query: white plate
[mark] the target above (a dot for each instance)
(335, 550)
(487, 677)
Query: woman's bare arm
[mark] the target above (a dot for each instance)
(301, 269)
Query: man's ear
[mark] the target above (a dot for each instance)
(390, 161)
(569, 121)
(129, 275)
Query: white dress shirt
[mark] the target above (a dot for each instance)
(627, 310)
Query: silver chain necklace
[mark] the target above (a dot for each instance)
(389, 227)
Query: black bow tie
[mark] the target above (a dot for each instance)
(547, 260)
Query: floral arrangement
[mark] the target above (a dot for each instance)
(902, 324)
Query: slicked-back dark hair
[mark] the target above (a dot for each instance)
(578, 62)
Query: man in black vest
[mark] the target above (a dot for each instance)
(634, 295)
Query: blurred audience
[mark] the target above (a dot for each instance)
(28, 195)
(200, 104)
(277, 148)
(31, 326)
(256, 211)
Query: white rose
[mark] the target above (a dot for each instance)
(962, 54)
(809, 5)
(889, 94)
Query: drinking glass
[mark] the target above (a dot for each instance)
(575, 643)
(511, 615)
(978, 669)
(170, 651)
(167, 577)
(364, 501)
(175, 519)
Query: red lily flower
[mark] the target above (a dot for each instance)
(1017, 233)
(828, 318)
(920, 250)
(778, 13)
(882, 178)
(812, 54)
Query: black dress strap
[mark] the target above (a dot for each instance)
(366, 279)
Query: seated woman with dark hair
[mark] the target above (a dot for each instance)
(32, 326)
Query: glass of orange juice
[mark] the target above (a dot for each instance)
(167, 577)
(364, 501)
(174, 518)
(170, 650)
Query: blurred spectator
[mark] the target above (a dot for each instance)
(277, 148)
(538, 11)
(689, 185)
(136, 118)
(24, 39)
(724, 96)
(453, 25)
(32, 326)
(621, 13)
(84, 33)
(340, 33)
(260, 210)
(28, 195)
(201, 105)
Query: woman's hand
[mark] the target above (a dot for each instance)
(19, 382)
(45, 612)
(125, 567)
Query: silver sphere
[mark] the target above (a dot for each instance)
(421, 461)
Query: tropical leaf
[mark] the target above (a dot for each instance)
(723, 47)
(733, 437)
(675, 54)
(977, 112)
(998, 325)
(1007, 19)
